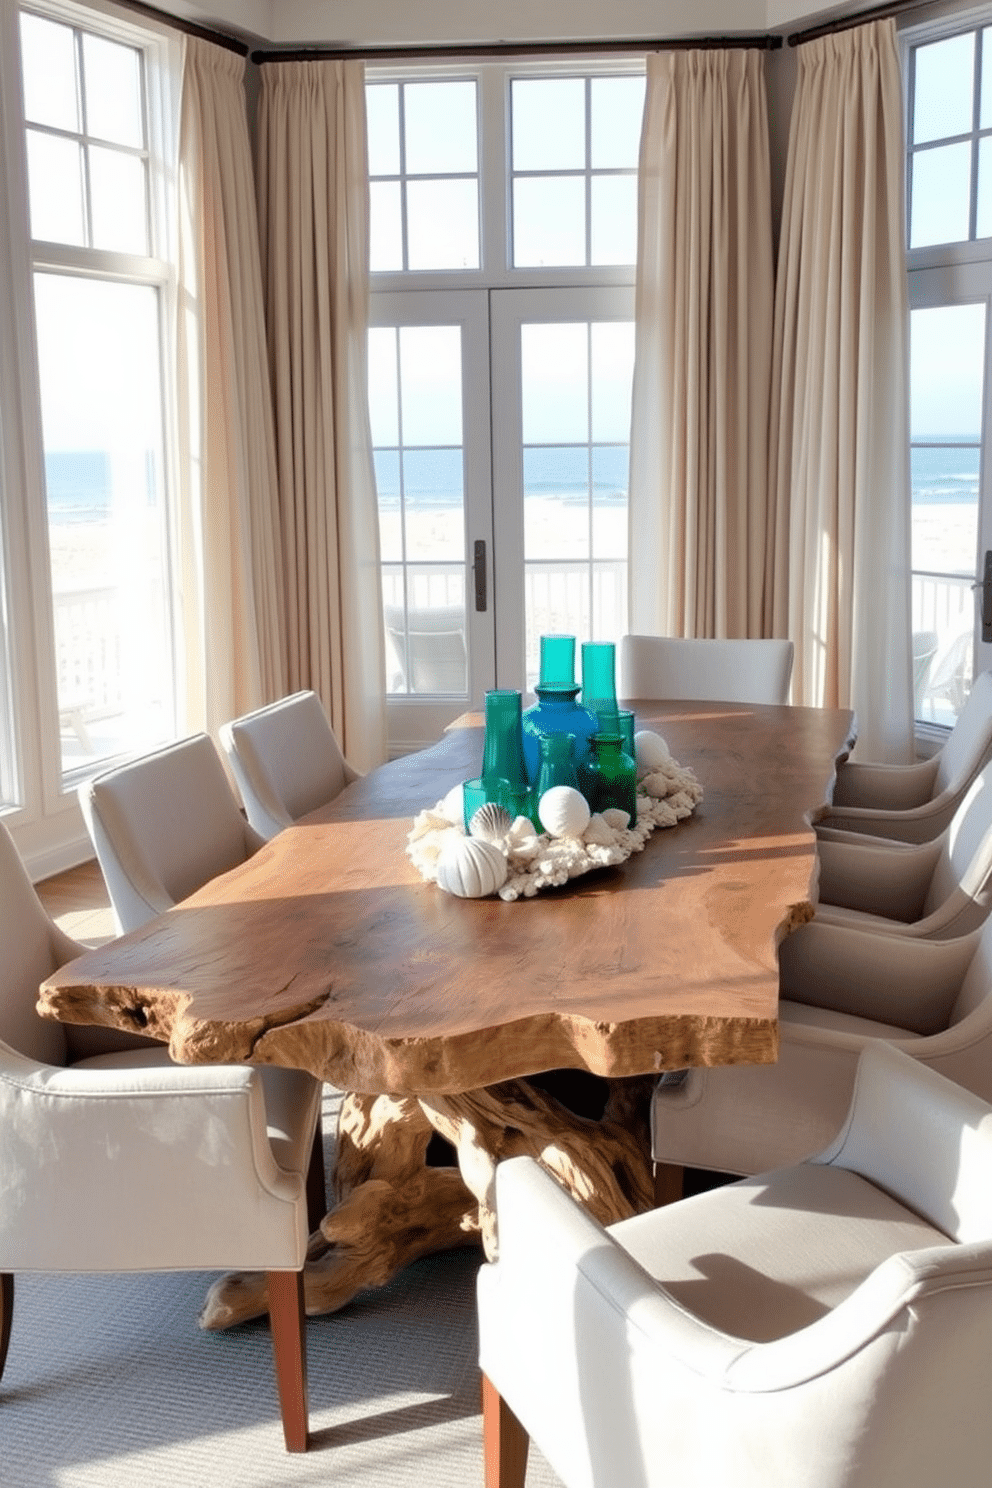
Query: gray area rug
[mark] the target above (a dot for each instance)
(110, 1384)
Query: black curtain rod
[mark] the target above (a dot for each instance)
(513, 49)
(845, 23)
(189, 28)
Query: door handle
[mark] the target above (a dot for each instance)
(985, 584)
(479, 571)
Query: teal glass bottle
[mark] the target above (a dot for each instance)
(504, 774)
(599, 683)
(557, 764)
(609, 777)
(628, 725)
(556, 710)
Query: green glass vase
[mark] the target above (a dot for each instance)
(504, 774)
(609, 777)
(599, 683)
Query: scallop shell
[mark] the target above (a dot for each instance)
(651, 750)
(471, 868)
(564, 811)
(490, 823)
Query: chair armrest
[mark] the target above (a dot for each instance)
(911, 983)
(143, 1168)
(880, 880)
(562, 1279)
(884, 787)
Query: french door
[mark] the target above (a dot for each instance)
(950, 420)
(500, 424)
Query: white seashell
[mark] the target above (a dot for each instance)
(617, 819)
(564, 811)
(452, 808)
(471, 868)
(490, 823)
(598, 832)
(651, 750)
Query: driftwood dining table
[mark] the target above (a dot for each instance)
(435, 1014)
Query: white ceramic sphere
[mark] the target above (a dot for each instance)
(564, 811)
(471, 868)
(651, 750)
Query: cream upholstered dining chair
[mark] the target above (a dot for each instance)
(823, 1325)
(112, 1158)
(163, 825)
(286, 761)
(936, 889)
(914, 803)
(840, 988)
(734, 671)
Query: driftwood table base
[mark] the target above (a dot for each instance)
(392, 1207)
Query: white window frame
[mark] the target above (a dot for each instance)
(46, 822)
(496, 272)
(944, 273)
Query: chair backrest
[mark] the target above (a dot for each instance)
(944, 1173)
(964, 864)
(33, 946)
(164, 825)
(970, 741)
(734, 671)
(285, 759)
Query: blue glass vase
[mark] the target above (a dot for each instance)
(556, 710)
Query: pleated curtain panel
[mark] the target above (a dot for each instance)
(840, 421)
(313, 213)
(230, 550)
(704, 302)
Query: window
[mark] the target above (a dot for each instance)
(101, 299)
(504, 215)
(88, 128)
(949, 233)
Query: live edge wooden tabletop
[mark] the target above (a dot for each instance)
(328, 952)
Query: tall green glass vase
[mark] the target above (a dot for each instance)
(599, 683)
(504, 774)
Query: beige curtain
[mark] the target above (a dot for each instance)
(698, 480)
(313, 196)
(228, 532)
(840, 423)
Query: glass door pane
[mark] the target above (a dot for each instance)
(562, 389)
(947, 399)
(99, 361)
(428, 406)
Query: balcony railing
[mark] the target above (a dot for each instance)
(943, 611)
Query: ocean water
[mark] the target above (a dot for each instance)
(944, 474)
(434, 477)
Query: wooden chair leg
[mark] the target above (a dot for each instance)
(669, 1179)
(289, 1346)
(316, 1180)
(505, 1442)
(6, 1315)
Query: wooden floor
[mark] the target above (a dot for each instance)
(78, 901)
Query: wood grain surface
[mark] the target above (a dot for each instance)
(327, 951)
